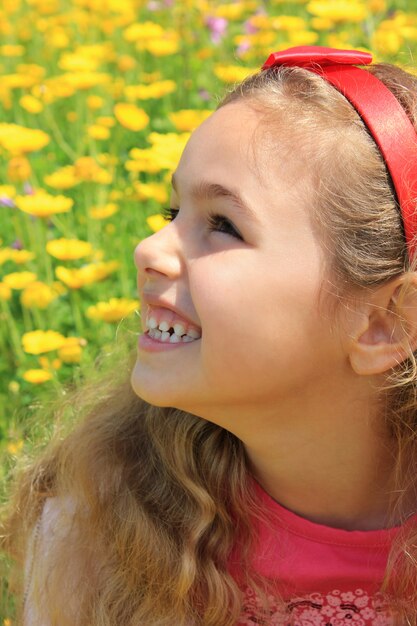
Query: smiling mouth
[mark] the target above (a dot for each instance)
(177, 333)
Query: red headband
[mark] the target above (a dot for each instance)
(380, 110)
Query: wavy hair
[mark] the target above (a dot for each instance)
(160, 502)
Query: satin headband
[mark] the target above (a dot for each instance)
(379, 109)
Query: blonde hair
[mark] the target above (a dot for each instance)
(160, 497)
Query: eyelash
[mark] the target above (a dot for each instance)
(217, 223)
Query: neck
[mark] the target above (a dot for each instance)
(331, 463)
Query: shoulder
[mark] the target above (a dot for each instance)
(54, 524)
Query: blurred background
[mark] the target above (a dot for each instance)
(97, 100)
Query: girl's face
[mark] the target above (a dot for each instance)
(241, 261)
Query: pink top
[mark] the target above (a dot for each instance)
(327, 576)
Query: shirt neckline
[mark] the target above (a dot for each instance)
(298, 525)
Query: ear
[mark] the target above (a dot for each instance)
(385, 330)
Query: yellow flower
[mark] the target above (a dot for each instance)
(288, 23)
(41, 204)
(232, 73)
(18, 139)
(152, 77)
(302, 37)
(19, 280)
(18, 169)
(19, 81)
(125, 63)
(232, 11)
(106, 120)
(8, 191)
(71, 352)
(162, 47)
(5, 291)
(321, 23)
(86, 169)
(154, 191)
(68, 249)
(188, 119)
(95, 102)
(46, 364)
(143, 31)
(86, 80)
(102, 212)
(9, 50)
(340, 11)
(73, 62)
(40, 341)
(86, 275)
(164, 154)
(57, 37)
(37, 376)
(20, 256)
(35, 70)
(147, 92)
(14, 386)
(112, 311)
(31, 104)
(377, 6)
(13, 447)
(38, 295)
(156, 222)
(130, 116)
(64, 178)
(95, 131)
(5, 255)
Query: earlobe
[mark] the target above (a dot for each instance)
(387, 331)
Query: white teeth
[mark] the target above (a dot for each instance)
(164, 326)
(179, 329)
(156, 334)
(174, 339)
(165, 336)
(193, 333)
(151, 323)
(187, 338)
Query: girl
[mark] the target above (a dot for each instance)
(255, 461)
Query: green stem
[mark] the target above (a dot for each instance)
(27, 321)
(41, 229)
(65, 147)
(39, 321)
(76, 309)
(13, 330)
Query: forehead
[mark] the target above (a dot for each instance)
(239, 144)
(225, 141)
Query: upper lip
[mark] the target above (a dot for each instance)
(153, 300)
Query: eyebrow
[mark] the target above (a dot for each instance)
(205, 190)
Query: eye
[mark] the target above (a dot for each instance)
(221, 224)
(169, 213)
(217, 223)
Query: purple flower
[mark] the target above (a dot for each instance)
(17, 245)
(204, 94)
(242, 48)
(28, 189)
(6, 201)
(217, 27)
(250, 28)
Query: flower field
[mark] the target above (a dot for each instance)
(97, 100)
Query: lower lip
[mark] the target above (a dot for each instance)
(152, 345)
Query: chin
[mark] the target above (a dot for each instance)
(149, 390)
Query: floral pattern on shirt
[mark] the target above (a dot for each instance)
(336, 608)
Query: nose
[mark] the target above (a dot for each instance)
(159, 255)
